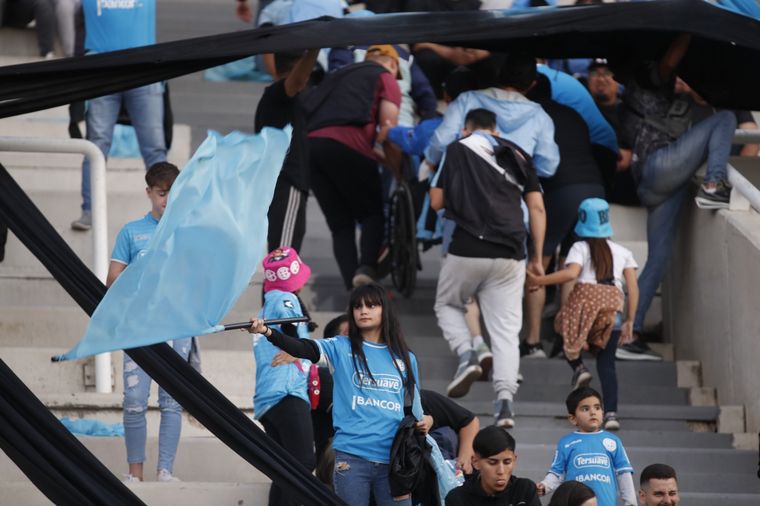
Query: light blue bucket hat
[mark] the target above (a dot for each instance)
(594, 219)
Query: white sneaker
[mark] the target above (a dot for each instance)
(128, 478)
(84, 222)
(165, 476)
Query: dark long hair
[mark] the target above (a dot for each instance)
(572, 493)
(390, 333)
(601, 258)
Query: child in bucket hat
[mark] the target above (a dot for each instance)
(285, 271)
(281, 401)
(591, 317)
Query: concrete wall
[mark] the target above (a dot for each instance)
(710, 301)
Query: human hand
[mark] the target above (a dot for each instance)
(283, 358)
(244, 11)
(257, 326)
(626, 332)
(540, 489)
(464, 460)
(425, 424)
(535, 267)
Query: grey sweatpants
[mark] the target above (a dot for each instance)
(498, 285)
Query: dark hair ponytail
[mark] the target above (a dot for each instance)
(601, 259)
(390, 332)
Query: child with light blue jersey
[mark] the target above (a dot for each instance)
(375, 382)
(591, 455)
(280, 401)
(130, 244)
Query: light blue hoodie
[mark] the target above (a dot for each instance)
(517, 119)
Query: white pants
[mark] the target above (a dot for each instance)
(498, 285)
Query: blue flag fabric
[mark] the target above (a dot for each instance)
(203, 253)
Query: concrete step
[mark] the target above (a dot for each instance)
(206, 459)
(54, 125)
(233, 372)
(542, 392)
(163, 494)
(556, 372)
(527, 433)
(640, 411)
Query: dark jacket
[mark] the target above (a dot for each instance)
(519, 492)
(410, 468)
(345, 97)
(483, 197)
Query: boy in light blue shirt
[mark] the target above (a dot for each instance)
(591, 455)
(130, 244)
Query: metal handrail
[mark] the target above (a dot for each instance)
(99, 215)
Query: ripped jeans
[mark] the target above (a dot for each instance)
(136, 393)
(355, 478)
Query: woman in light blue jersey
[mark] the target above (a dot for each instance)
(375, 382)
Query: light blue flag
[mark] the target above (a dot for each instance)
(203, 253)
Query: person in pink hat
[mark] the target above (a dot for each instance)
(281, 401)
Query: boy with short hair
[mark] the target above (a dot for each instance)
(130, 244)
(658, 486)
(493, 483)
(591, 455)
(482, 183)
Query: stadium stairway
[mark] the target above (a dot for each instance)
(668, 415)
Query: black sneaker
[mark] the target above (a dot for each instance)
(504, 413)
(637, 350)
(468, 372)
(364, 275)
(715, 198)
(581, 377)
(611, 421)
(532, 350)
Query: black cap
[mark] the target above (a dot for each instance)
(598, 62)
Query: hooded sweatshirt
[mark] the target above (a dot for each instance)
(519, 492)
(517, 119)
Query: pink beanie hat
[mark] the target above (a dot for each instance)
(284, 270)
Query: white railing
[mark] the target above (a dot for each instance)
(746, 194)
(99, 216)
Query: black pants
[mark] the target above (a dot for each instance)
(287, 216)
(289, 423)
(605, 368)
(347, 186)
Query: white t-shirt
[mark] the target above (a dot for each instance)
(580, 254)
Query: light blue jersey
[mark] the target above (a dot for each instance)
(594, 459)
(517, 119)
(274, 383)
(366, 414)
(133, 238)
(119, 24)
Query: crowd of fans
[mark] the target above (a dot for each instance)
(522, 157)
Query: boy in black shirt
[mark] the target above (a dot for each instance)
(481, 184)
(278, 107)
(493, 483)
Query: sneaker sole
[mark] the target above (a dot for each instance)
(505, 423)
(704, 203)
(538, 355)
(460, 386)
(361, 279)
(612, 426)
(583, 380)
(622, 354)
(81, 228)
(486, 363)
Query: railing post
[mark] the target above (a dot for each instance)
(103, 380)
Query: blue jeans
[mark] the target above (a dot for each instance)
(145, 106)
(136, 393)
(355, 478)
(663, 183)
